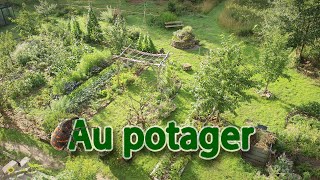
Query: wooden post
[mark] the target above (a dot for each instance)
(144, 12)
(5, 22)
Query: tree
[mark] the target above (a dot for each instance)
(45, 8)
(94, 33)
(222, 80)
(140, 42)
(7, 45)
(299, 18)
(151, 47)
(28, 23)
(274, 57)
(75, 29)
(118, 35)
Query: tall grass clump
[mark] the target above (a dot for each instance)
(239, 18)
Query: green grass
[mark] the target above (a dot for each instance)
(288, 94)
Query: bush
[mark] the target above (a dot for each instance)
(146, 44)
(239, 19)
(26, 85)
(90, 65)
(44, 49)
(160, 20)
(311, 109)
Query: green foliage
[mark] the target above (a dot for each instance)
(25, 85)
(160, 20)
(44, 8)
(282, 169)
(90, 64)
(7, 45)
(311, 109)
(27, 23)
(94, 33)
(81, 168)
(222, 80)
(274, 57)
(75, 29)
(46, 50)
(298, 18)
(301, 136)
(145, 44)
(240, 19)
(118, 36)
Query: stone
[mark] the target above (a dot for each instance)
(24, 161)
(187, 67)
(11, 164)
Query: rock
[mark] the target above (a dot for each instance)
(11, 164)
(187, 67)
(24, 161)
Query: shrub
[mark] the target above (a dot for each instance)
(26, 85)
(146, 44)
(94, 33)
(90, 65)
(311, 109)
(160, 20)
(239, 19)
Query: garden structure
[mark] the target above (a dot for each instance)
(7, 12)
(136, 56)
(173, 24)
(184, 39)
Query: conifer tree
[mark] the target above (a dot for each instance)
(93, 27)
(76, 31)
(151, 46)
(140, 42)
(145, 43)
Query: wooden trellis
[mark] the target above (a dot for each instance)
(136, 56)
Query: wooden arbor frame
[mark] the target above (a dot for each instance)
(136, 56)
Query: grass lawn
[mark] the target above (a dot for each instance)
(288, 94)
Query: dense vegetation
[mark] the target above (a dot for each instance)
(57, 61)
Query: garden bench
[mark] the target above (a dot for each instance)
(173, 24)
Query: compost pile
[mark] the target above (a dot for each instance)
(263, 139)
(184, 39)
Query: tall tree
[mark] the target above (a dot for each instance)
(94, 33)
(75, 29)
(7, 45)
(44, 8)
(299, 18)
(27, 22)
(274, 57)
(118, 35)
(222, 80)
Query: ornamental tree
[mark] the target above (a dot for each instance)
(222, 80)
(75, 29)
(118, 35)
(94, 33)
(273, 57)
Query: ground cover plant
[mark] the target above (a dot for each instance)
(59, 60)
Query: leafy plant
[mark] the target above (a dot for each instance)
(94, 33)
(222, 80)
(27, 22)
(45, 8)
(274, 57)
(118, 36)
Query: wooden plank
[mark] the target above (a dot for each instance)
(258, 158)
(146, 53)
(178, 25)
(134, 60)
(255, 162)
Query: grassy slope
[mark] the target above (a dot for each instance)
(268, 112)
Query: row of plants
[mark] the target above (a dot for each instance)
(170, 166)
(90, 65)
(77, 100)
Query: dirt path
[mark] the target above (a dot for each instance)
(46, 160)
